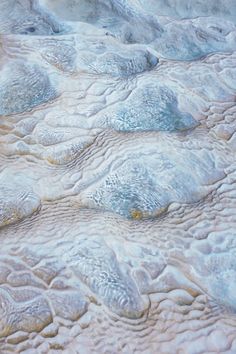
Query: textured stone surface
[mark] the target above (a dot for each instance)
(117, 176)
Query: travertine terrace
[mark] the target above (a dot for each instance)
(118, 176)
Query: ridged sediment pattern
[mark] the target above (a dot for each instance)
(117, 176)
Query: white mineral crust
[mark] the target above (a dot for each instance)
(118, 176)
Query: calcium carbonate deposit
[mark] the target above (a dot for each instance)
(117, 176)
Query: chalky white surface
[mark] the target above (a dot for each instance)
(117, 176)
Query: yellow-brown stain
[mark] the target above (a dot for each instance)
(136, 214)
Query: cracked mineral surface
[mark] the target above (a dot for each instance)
(117, 176)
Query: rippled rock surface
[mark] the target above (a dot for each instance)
(117, 176)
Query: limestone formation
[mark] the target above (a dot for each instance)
(117, 176)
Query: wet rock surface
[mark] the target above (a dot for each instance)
(117, 176)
